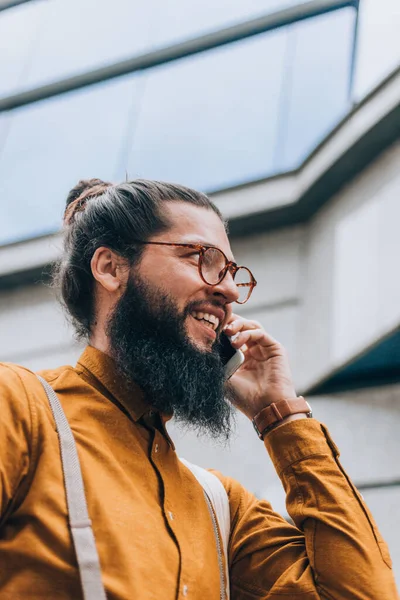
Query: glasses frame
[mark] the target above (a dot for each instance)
(230, 266)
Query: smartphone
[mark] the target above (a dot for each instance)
(231, 358)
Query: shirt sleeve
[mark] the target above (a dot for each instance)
(333, 552)
(17, 444)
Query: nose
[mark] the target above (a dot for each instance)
(226, 288)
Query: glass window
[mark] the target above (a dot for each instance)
(223, 117)
(18, 38)
(378, 47)
(210, 120)
(317, 86)
(79, 35)
(181, 19)
(4, 122)
(52, 144)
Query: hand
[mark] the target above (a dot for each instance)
(265, 375)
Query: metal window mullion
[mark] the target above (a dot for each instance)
(354, 55)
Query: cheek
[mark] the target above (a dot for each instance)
(186, 285)
(179, 280)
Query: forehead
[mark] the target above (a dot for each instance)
(195, 224)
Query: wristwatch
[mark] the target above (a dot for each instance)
(270, 416)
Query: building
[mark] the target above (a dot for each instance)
(290, 118)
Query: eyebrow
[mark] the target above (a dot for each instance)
(196, 242)
(203, 243)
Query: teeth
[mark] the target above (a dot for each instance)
(211, 319)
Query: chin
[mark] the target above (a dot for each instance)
(202, 345)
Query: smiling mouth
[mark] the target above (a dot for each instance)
(210, 321)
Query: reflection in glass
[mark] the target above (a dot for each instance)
(180, 19)
(378, 44)
(210, 121)
(53, 144)
(4, 125)
(80, 35)
(84, 34)
(223, 117)
(19, 29)
(318, 71)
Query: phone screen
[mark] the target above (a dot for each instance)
(226, 350)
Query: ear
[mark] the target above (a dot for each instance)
(109, 269)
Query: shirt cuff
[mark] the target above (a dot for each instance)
(298, 440)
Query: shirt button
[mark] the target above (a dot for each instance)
(171, 515)
(185, 590)
(156, 448)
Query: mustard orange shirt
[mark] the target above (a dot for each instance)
(152, 527)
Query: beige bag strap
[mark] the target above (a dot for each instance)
(80, 524)
(216, 495)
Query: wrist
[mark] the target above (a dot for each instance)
(276, 414)
(284, 421)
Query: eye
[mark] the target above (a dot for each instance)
(194, 255)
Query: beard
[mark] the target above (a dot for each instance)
(150, 346)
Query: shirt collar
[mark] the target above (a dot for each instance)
(103, 373)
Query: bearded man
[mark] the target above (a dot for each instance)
(149, 281)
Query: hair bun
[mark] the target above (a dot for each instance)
(77, 197)
(82, 186)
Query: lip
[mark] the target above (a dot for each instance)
(206, 329)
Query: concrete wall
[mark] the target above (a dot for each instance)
(350, 289)
(34, 332)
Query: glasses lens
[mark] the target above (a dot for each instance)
(213, 265)
(244, 282)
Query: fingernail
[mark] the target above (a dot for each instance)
(234, 337)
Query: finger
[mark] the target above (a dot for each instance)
(254, 336)
(240, 324)
(233, 317)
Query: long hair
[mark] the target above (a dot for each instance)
(100, 214)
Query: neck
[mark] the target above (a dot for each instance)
(99, 340)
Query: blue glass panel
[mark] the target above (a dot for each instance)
(4, 123)
(316, 95)
(19, 27)
(53, 144)
(378, 44)
(79, 35)
(210, 121)
(181, 19)
(84, 34)
(234, 114)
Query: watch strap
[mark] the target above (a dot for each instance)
(272, 414)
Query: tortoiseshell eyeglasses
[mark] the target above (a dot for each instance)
(213, 265)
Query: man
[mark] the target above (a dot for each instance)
(149, 280)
